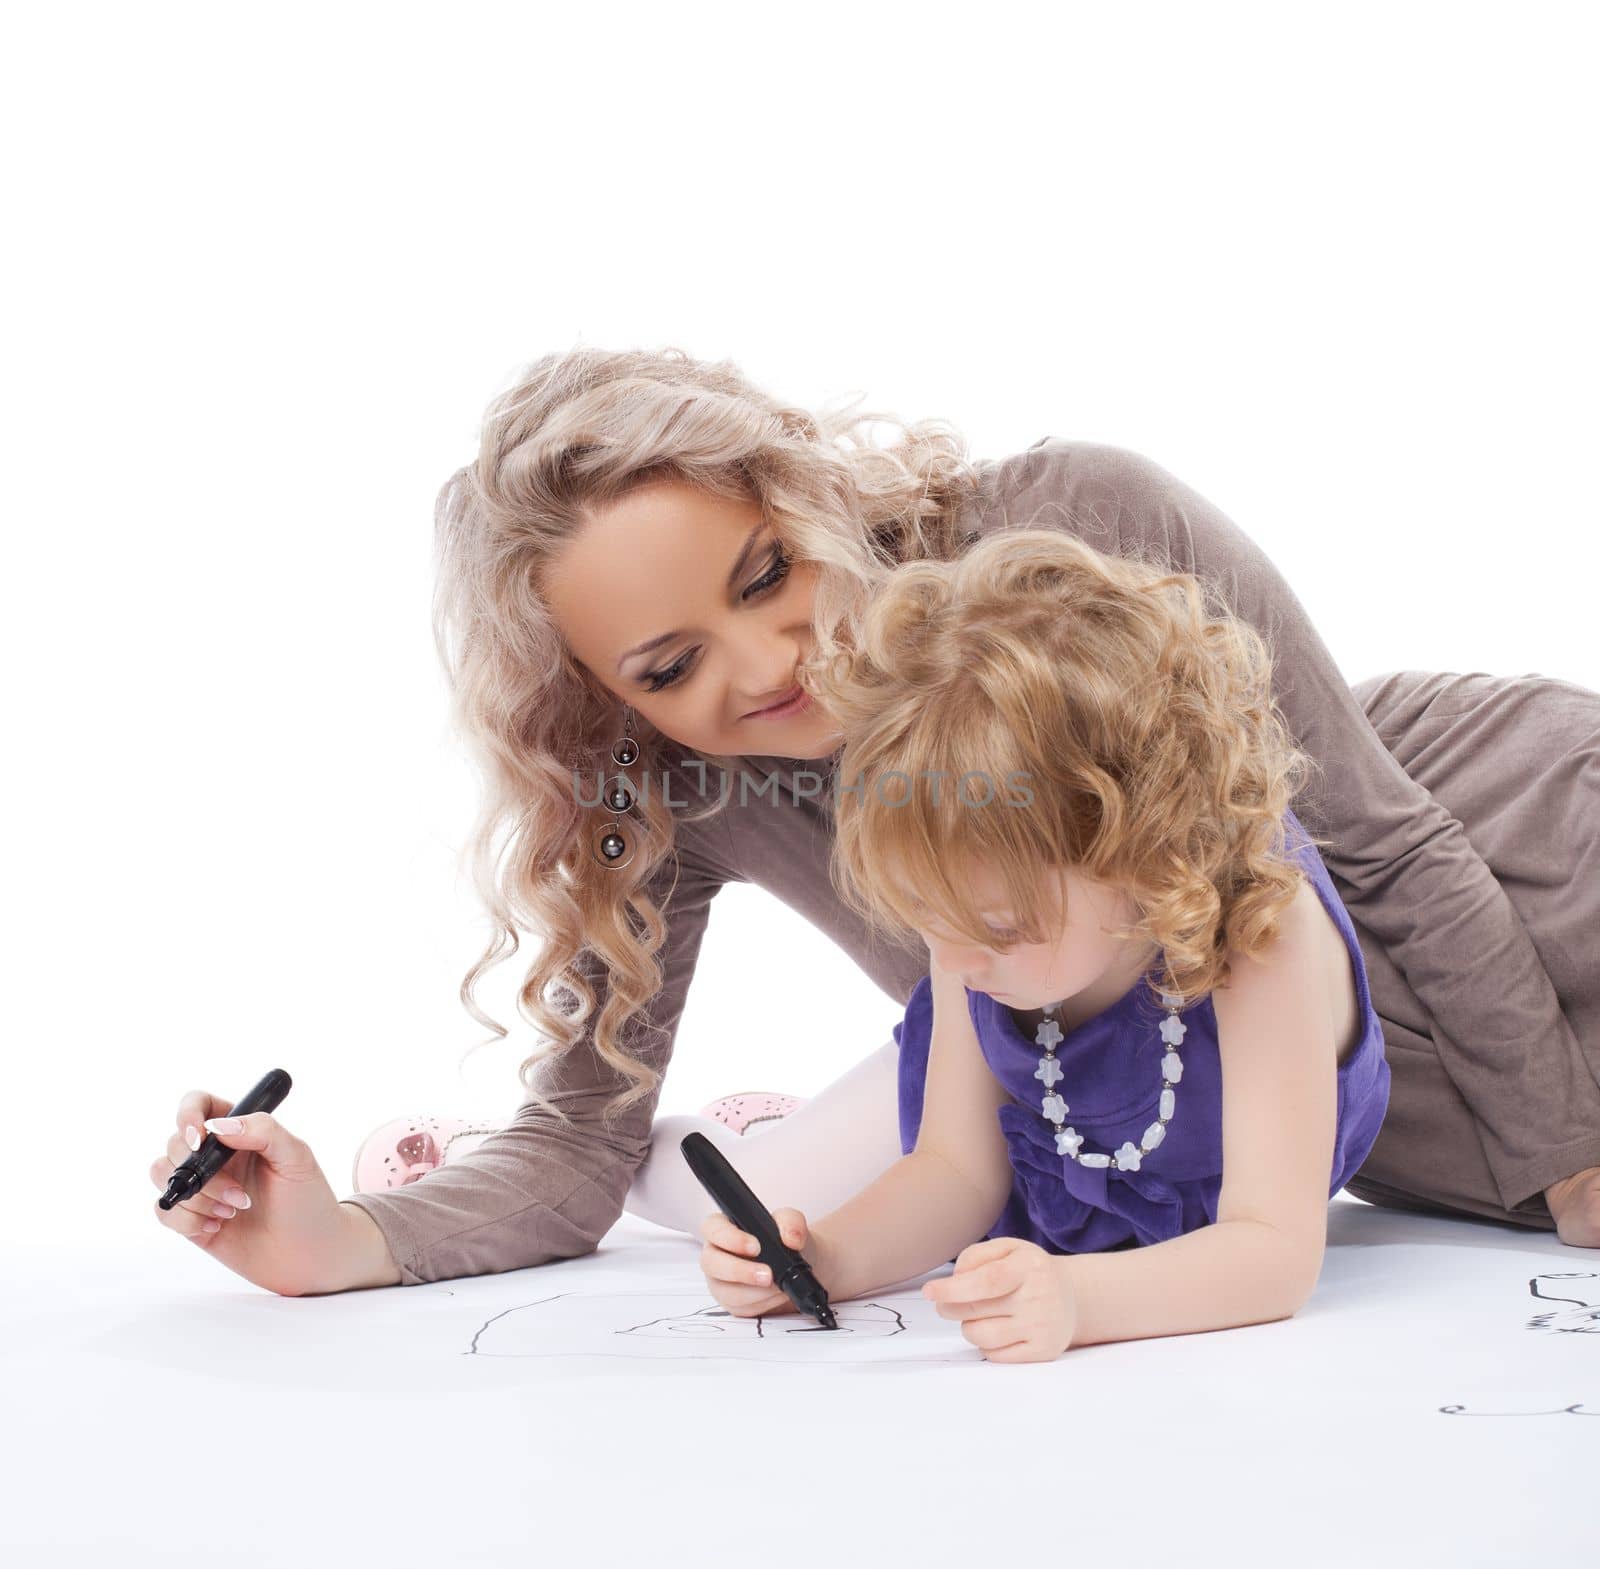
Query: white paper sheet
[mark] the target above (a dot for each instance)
(1437, 1398)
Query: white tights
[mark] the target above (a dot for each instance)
(811, 1160)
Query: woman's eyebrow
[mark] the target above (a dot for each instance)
(733, 574)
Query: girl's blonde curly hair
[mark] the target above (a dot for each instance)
(578, 430)
(1038, 703)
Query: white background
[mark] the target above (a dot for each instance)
(1333, 266)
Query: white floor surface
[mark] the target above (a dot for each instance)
(1432, 1404)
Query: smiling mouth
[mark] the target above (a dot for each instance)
(788, 697)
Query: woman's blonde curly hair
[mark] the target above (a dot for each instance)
(1038, 703)
(578, 430)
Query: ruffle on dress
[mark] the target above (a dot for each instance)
(1067, 1207)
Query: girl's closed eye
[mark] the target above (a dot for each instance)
(776, 572)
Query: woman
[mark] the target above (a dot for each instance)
(644, 557)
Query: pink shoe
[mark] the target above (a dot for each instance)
(410, 1147)
(743, 1112)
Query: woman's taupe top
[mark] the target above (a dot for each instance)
(538, 1190)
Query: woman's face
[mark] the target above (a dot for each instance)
(1082, 959)
(725, 617)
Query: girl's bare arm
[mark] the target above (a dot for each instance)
(949, 1191)
(1261, 1258)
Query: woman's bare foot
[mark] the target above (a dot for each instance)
(1575, 1204)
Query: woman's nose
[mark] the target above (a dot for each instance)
(764, 677)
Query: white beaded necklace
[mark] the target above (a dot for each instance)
(1068, 1140)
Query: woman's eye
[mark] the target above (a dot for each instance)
(774, 575)
(666, 678)
(1007, 935)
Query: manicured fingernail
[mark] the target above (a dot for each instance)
(224, 1124)
(212, 1225)
(191, 1136)
(239, 1199)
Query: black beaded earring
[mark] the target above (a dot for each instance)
(613, 851)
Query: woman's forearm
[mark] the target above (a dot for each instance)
(366, 1261)
(1221, 1276)
(918, 1214)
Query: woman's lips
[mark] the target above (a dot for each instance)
(797, 702)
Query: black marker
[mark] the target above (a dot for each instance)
(790, 1272)
(213, 1154)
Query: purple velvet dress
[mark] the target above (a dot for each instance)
(1112, 1081)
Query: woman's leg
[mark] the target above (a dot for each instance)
(1517, 760)
(812, 1160)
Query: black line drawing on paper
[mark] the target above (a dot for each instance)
(1585, 1317)
(718, 1320)
(1580, 1316)
(685, 1325)
(1572, 1410)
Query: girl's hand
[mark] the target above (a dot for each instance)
(737, 1277)
(1014, 1300)
(268, 1214)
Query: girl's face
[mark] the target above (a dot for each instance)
(1083, 959)
(686, 607)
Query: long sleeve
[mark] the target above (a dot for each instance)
(1403, 864)
(538, 1190)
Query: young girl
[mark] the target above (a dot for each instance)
(1146, 1022)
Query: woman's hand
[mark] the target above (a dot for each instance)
(268, 1214)
(737, 1277)
(1014, 1300)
